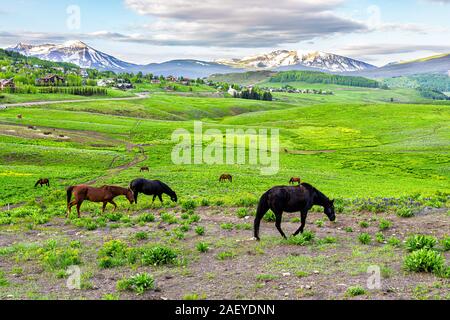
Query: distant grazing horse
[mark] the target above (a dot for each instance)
(226, 177)
(105, 194)
(42, 182)
(295, 180)
(292, 199)
(153, 188)
(145, 169)
(19, 116)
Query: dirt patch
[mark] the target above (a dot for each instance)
(270, 269)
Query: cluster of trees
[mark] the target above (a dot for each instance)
(325, 78)
(432, 94)
(439, 82)
(78, 91)
(254, 94)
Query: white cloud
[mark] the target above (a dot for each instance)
(234, 23)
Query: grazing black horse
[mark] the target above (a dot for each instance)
(152, 188)
(292, 199)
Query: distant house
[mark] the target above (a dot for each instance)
(51, 79)
(124, 86)
(171, 79)
(7, 84)
(232, 92)
(105, 82)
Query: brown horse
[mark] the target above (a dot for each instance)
(145, 169)
(105, 194)
(226, 177)
(42, 182)
(295, 180)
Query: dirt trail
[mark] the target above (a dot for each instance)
(139, 96)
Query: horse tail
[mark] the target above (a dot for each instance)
(263, 207)
(69, 194)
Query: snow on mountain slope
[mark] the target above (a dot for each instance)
(285, 59)
(75, 52)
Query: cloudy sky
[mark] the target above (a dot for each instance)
(144, 31)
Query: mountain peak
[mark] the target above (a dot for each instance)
(296, 59)
(75, 44)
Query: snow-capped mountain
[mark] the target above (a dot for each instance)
(75, 52)
(285, 60)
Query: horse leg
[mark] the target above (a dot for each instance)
(302, 227)
(279, 216)
(160, 198)
(69, 207)
(154, 198)
(78, 208)
(104, 206)
(114, 204)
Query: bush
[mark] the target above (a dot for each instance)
(227, 226)
(188, 205)
(158, 256)
(302, 239)
(242, 213)
(319, 223)
(168, 218)
(3, 281)
(61, 259)
(200, 231)
(424, 260)
(365, 238)
(417, 242)
(113, 254)
(225, 255)
(146, 217)
(194, 219)
(202, 247)
(379, 237)
(393, 241)
(270, 217)
(445, 243)
(327, 240)
(138, 283)
(404, 212)
(141, 235)
(364, 224)
(385, 224)
(348, 229)
(355, 291)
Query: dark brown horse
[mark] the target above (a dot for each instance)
(292, 199)
(105, 194)
(226, 177)
(295, 180)
(42, 182)
(145, 169)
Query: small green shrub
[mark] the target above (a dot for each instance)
(384, 224)
(404, 212)
(319, 223)
(138, 283)
(200, 230)
(445, 243)
(188, 205)
(225, 255)
(266, 277)
(364, 224)
(355, 291)
(146, 217)
(420, 241)
(365, 238)
(301, 239)
(327, 240)
(202, 247)
(194, 218)
(424, 260)
(60, 259)
(168, 218)
(141, 235)
(269, 217)
(393, 241)
(379, 237)
(158, 255)
(113, 254)
(114, 216)
(348, 229)
(204, 203)
(242, 213)
(227, 226)
(3, 281)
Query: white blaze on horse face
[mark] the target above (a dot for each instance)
(182, 152)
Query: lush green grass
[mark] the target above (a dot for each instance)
(373, 149)
(6, 98)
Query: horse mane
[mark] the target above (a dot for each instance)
(166, 189)
(319, 194)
